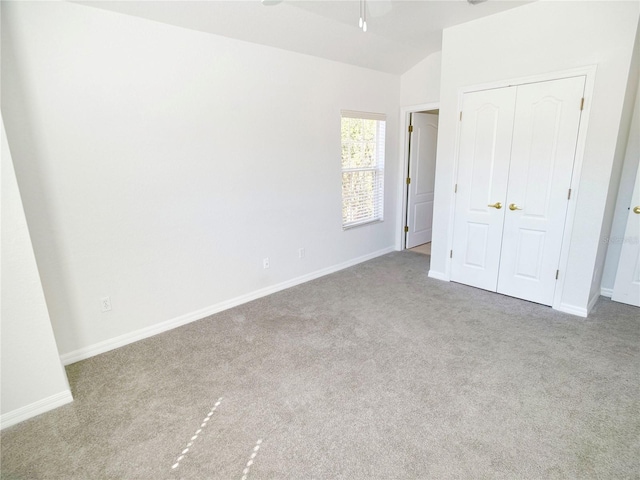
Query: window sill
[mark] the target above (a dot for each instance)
(361, 224)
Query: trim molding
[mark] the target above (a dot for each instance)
(36, 408)
(606, 292)
(573, 310)
(122, 340)
(438, 275)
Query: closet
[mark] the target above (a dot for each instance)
(516, 153)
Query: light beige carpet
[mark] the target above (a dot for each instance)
(374, 372)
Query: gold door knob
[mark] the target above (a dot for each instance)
(513, 207)
(496, 205)
(636, 210)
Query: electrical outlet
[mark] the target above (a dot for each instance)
(301, 253)
(105, 304)
(265, 262)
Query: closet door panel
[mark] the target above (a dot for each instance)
(483, 166)
(547, 118)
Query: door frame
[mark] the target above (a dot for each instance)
(589, 72)
(404, 166)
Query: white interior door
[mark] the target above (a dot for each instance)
(483, 168)
(422, 172)
(626, 288)
(547, 119)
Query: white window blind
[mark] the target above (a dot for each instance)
(362, 136)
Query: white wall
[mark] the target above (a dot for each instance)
(33, 380)
(421, 84)
(539, 38)
(159, 166)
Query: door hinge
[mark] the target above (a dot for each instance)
(450, 253)
(408, 180)
(582, 104)
(460, 116)
(557, 274)
(569, 195)
(410, 128)
(455, 188)
(406, 229)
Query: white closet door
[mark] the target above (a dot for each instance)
(422, 171)
(626, 288)
(545, 133)
(483, 169)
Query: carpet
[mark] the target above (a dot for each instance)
(373, 372)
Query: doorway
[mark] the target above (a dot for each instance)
(419, 179)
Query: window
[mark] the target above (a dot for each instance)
(362, 167)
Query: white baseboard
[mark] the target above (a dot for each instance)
(122, 340)
(573, 310)
(438, 275)
(41, 406)
(579, 311)
(606, 292)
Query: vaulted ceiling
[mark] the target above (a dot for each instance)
(400, 32)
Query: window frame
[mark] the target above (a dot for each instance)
(380, 144)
